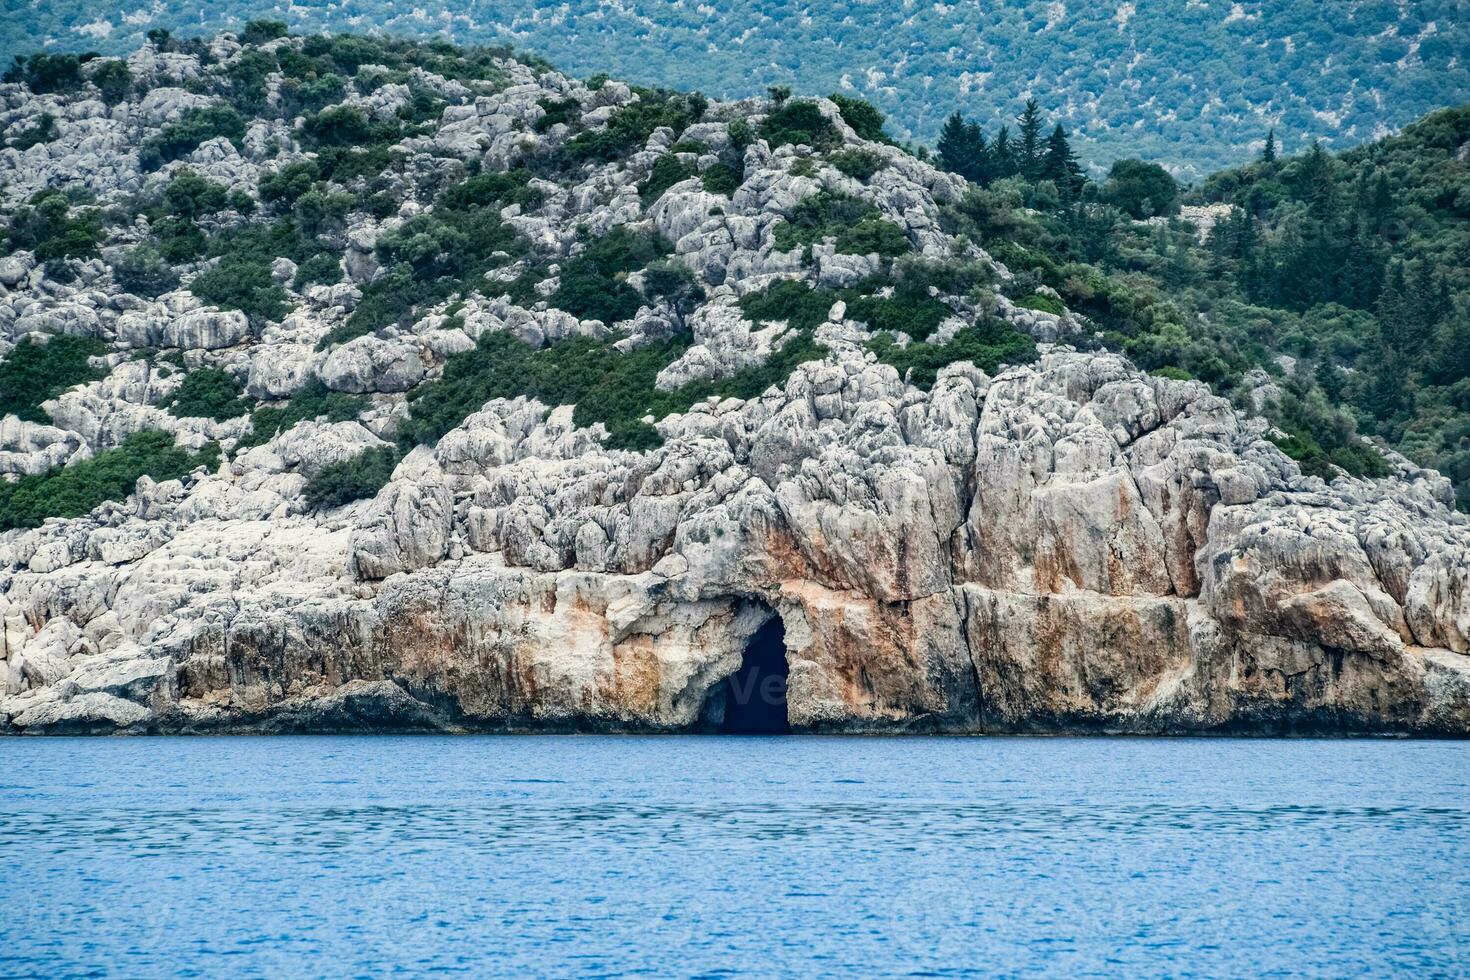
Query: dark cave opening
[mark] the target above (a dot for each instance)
(755, 695)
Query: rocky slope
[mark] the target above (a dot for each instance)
(1063, 544)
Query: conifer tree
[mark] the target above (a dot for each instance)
(955, 148)
(1268, 153)
(1059, 165)
(1002, 155)
(1029, 142)
(980, 153)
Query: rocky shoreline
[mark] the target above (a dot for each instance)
(1069, 545)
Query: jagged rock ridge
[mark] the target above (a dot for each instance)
(1063, 545)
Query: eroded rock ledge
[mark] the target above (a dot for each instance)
(1070, 546)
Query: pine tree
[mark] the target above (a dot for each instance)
(1029, 142)
(1330, 380)
(954, 145)
(1002, 155)
(1392, 309)
(1316, 184)
(1451, 360)
(980, 173)
(1059, 165)
(1268, 153)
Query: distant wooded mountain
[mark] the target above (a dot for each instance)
(1193, 83)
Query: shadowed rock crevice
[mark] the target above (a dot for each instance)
(755, 695)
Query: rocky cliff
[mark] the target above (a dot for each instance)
(1059, 543)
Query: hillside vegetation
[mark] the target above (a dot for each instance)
(1192, 83)
(336, 192)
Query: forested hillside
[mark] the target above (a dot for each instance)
(1195, 84)
(1346, 277)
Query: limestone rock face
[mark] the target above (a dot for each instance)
(1067, 545)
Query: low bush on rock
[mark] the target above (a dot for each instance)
(557, 112)
(208, 393)
(667, 171)
(48, 72)
(862, 116)
(606, 385)
(33, 372)
(51, 227)
(142, 270)
(75, 490)
(354, 479)
(194, 128)
(799, 122)
(314, 402)
(854, 225)
(242, 284)
(44, 131)
(858, 164)
(594, 284)
(990, 343)
(721, 178)
(631, 126)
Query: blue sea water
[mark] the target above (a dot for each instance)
(732, 856)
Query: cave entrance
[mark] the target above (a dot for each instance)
(755, 695)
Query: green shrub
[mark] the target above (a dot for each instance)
(911, 311)
(741, 134)
(593, 285)
(822, 215)
(1043, 303)
(988, 344)
(33, 372)
(722, 178)
(114, 80)
(789, 300)
(196, 127)
(75, 490)
(606, 385)
(208, 393)
(242, 284)
(862, 116)
(342, 126)
(48, 72)
(1356, 458)
(261, 31)
(853, 223)
(354, 479)
(288, 183)
(557, 112)
(319, 213)
(799, 122)
(51, 228)
(313, 402)
(142, 270)
(859, 164)
(429, 258)
(324, 269)
(1141, 189)
(178, 240)
(428, 245)
(44, 131)
(672, 280)
(629, 128)
(389, 299)
(189, 195)
(667, 171)
(871, 235)
(495, 190)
